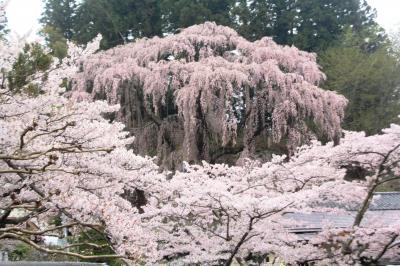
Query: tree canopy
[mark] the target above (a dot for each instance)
(215, 89)
(368, 77)
(309, 24)
(118, 21)
(184, 13)
(61, 15)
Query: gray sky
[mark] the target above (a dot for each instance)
(23, 15)
(388, 13)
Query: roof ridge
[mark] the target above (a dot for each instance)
(388, 192)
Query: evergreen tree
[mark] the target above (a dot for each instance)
(308, 24)
(189, 97)
(369, 78)
(320, 23)
(55, 41)
(60, 15)
(119, 21)
(311, 25)
(183, 13)
(29, 62)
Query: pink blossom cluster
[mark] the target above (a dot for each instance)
(209, 68)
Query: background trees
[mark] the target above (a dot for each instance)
(55, 41)
(118, 21)
(367, 73)
(310, 25)
(30, 61)
(307, 24)
(183, 13)
(61, 15)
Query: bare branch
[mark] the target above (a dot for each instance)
(42, 232)
(59, 252)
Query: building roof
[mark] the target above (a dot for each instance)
(314, 222)
(381, 201)
(383, 211)
(386, 201)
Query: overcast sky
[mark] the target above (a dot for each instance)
(23, 15)
(388, 13)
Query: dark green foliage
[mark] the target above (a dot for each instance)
(55, 41)
(97, 238)
(32, 60)
(322, 22)
(20, 252)
(119, 21)
(262, 18)
(310, 25)
(368, 77)
(61, 15)
(184, 13)
(3, 29)
(56, 220)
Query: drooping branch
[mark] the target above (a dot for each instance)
(230, 91)
(42, 232)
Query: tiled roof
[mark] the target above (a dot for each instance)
(309, 222)
(386, 201)
(381, 201)
(384, 210)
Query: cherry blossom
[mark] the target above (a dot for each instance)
(62, 157)
(222, 89)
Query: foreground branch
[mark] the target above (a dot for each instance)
(59, 252)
